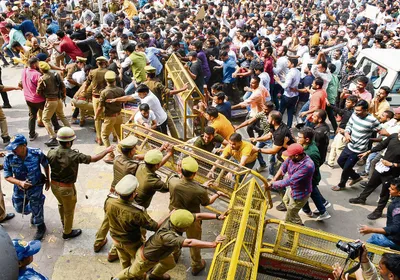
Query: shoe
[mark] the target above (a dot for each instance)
(330, 165)
(6, 106)
(9, 216)
(164, 277)
(363, 174)
(196, 271)
(40, 124)
(98, 141)
(324, 216)
(336, 188)
(75, 121)
(112, 257)
(32, 138)
(357, 200)
(316, 212)
(74, 233)
(82, 123)
(261, 168)
(52, 142)
(375, 215)
(41, 230)
(310, 215)
(327, 204)
(6, 140)
(97, 247)
(300, 125)
(353, 182)
(281, 207)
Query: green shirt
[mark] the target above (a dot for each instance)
(312, 151)
(139, 61)
(200, 143)
(332, 89)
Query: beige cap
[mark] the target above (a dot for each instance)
(127, 185)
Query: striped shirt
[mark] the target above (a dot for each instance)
(299, 179)
(361, 130)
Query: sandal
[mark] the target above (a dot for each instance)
(336, 188)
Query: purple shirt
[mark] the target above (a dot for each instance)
(30, 79)
(299, 179)
(204, 64)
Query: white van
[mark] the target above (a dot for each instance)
(382, 67)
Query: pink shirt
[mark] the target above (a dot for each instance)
(30, 78)
(366, 95)
(257, 100)
(317, 101)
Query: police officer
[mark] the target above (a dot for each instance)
(64, 163)
(157, 252)
(124, 164)
(83, 101)
(186, 194)
(3, 120)
(22, 168)
(112, 111)
(97, 82)
(157, 87)
(25, 251)
(126, 218)
(51, 87)
(149, 181)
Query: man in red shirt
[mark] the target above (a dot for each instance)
(68, 46)
(317, 100)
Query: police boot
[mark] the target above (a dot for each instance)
(74, 233)
(164, 277)
(41, 230)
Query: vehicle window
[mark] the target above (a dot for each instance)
(396, 85)
(373, 71)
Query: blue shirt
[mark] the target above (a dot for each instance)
(151, 55)
(27, 169)
(106, 47)
(30, 274)
(225, 109)
(27, 26)
(228, 68)
(54, 27)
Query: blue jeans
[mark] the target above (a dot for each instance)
(369, 160)
(289, 103)
(382, 240)
(130, 89)
(260, 158)
(347, 160)
(318, 199)
(305, 108)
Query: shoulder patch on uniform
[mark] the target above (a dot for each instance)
(138, 206)
(112, 195)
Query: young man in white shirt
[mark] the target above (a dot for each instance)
(145, 117)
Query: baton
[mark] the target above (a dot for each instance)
(24, 204)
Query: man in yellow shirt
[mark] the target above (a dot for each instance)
(243, 152)
(379, 104)
(130, 9)
(219, 122)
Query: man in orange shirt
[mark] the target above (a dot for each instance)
(317, 100)
(256, 101)
(219, 122)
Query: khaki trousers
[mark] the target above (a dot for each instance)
(140, 266)
(293, 207)
(3, 124)
(66, 197)
(110, 124)
(51, 107)
(102, 234)
(127, 252)
(86, 108)
(3, 212)
(338, 145)
(194, 232)
(97, 121)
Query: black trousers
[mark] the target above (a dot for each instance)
(4, 95)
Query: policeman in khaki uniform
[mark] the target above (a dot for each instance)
(157, 87)
(52, 88)
(83, 101)
(3, 120)
(97, 82)
(112, 111)
(186, 194)
(124, 164)
(64, 163)
(126, 218)
(157, 252)
(149, 181)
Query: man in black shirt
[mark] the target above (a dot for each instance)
(209, 140)
(321, 131)
(385, 170)
(195, 70)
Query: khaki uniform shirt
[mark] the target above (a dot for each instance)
(187, 194)
(163, 243)
(28, 15)
(126, 219)
(47, 85)
(123, 166)
(64, 163)
(149, 184)
(34, 52)
(82, 93)
(111, 92)
(71, 69)
(158, 89)
(96, 80)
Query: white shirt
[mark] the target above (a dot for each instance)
(281, 68)
(306, 59)
(265, 81)
(327, 77)
(139, 119)
(154, 105)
